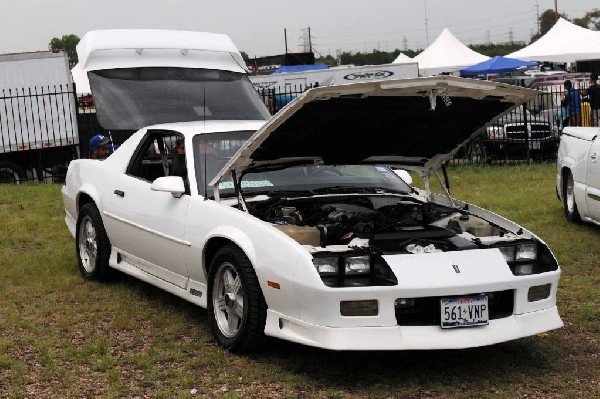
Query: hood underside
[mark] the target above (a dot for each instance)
(411, 123)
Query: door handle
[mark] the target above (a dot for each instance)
(594, 156)
(119, 193)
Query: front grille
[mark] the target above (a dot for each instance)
(540, 131)
(516, 132)
(426, 311)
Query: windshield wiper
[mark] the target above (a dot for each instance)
(279, 193)
(357, 189)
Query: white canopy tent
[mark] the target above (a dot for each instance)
(564, 42)
(446, 54)
(402, 59)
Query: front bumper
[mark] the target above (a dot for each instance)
(413, 337)
(319, 322)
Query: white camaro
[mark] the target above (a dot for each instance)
(298, 229)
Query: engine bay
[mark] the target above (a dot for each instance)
(386, 224)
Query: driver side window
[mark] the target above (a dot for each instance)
(155, 156)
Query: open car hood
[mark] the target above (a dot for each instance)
(416, 124)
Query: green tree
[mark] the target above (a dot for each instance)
(67, 43)
(591, 20)
(547, 20)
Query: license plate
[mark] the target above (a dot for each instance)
(464, 311)
(534, 145)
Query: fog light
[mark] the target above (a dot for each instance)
(326, 266)
(359, 308)
(357, 265)
(523, 269)
(538, 292)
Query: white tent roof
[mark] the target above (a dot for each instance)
(402, 59)
(564, 42)
(446, 54)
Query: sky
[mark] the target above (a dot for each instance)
(257, 27)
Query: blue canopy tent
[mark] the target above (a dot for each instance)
(495, 65)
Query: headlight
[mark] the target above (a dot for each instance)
(495, 132)
(508, 253)
(327, 266)
(353, 269)
(356, 265)
(526, 252)
(522, 258)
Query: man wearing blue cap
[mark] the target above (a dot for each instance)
(99, 147)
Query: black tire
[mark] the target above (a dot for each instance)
(571, 212)
(92, 245)
(236, 306)
(11, 173)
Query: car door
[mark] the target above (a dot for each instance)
(148, 225)
(593, 180)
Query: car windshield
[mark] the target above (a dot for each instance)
(130, 98)
(319, 179)
(211, 153)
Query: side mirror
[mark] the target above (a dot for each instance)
(169, 184)
(404, 175)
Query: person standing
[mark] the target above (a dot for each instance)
(593, 93)
(571, 102)
(99, 147)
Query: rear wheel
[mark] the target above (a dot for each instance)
(11, 173)
(92, 244)
(571, 212)
(236, 307)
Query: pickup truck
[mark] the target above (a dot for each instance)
(578, 173)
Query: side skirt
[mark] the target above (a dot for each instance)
(194, 293)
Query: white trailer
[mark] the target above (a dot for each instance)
(285, 82)
(38, 115)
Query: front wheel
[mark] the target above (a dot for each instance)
(571, 212)
(92, 244)
(236, 307)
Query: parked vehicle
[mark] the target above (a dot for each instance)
(578, 173)
(301, 231)
(517, 135)
(140, 77)
(38, 122)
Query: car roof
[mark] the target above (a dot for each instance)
(200, 127)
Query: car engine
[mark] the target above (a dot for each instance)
(388, 223)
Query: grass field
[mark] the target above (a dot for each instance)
(61, 336)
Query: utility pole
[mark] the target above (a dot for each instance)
(427, 22)
(537, 12)
(306, 40)
(556, 9)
